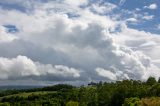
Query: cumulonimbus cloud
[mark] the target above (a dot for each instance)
(63, 41)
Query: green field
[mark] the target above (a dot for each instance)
(25, 94)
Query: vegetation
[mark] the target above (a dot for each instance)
(120, 93)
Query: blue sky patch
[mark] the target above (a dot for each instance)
(11, 28)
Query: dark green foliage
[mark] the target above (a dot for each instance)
(159, 80)
(155, 90)
(99, 94)
(151, 81)
(62, 87)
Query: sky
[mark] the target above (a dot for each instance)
(77, 41)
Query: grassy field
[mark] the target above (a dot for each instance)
(154, 101)
(26, 94)
(150, 101)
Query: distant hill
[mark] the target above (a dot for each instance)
(18, 87)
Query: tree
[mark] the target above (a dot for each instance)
(159, 80)
(151, 81)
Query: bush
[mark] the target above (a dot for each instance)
(132, 102)
(4, 104)
(71, 103)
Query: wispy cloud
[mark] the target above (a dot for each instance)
(122, 2)
(158, 26)
(152, 6)
(148, 17)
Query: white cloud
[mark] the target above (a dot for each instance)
(148, 17)
(106, 73)
(138, 9)
(145, 42)
(149, 43)
(22, 67)
(152, 6)
(103, 9)
(131, 20)
(76, 2)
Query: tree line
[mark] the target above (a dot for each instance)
(126, 93)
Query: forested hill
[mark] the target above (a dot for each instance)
(120, 93)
